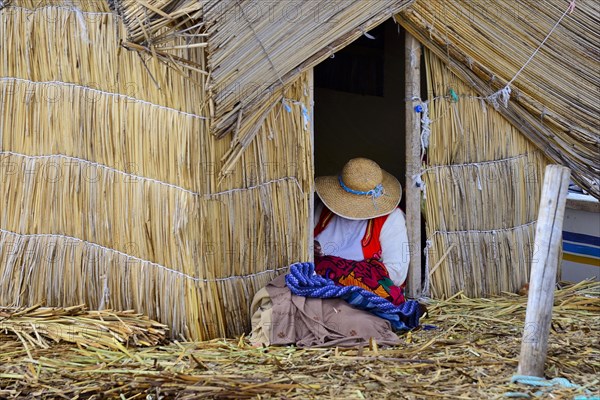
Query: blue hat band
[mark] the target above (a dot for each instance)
(376, 192)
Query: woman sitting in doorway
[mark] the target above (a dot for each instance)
(360, 240)
(360, 233)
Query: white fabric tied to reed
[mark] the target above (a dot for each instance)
(367, 35)
(425, 121)
(503, 95)
(80, 21)
(418, 182)
(305, 114)
(105, 299)
(427, 283)
(425, 134)
(425, 127)
(478, 179)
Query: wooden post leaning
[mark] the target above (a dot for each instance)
(544, 264)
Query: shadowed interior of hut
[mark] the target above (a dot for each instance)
(359, 103)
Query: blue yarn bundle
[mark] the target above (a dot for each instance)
(303, 281)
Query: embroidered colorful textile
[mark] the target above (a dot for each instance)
(368, 274)
(303, 281)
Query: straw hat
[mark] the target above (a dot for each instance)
(362, 191)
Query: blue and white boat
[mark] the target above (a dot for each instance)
(581, 238)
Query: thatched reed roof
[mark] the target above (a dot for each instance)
(255, 48)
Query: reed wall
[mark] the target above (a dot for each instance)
(111, 182)
(482, 188)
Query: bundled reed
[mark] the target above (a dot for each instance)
(554, 91)
(473, 353)
(258, 49)
(112, 185)
(82, 5)
(152, 22)
(96, 63)
(482, 185)
(100, 329)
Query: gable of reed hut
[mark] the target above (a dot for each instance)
(158, 155)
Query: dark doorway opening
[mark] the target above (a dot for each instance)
(359, 103)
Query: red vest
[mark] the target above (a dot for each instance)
(371, 245)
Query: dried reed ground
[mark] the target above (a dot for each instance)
(472, 355)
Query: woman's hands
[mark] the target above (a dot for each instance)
(318, 251)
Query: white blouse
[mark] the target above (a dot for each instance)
(342, 238)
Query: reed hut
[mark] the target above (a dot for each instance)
(157, 155)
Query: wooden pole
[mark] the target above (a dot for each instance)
(311, 200)
(412, 70)
(544, 264)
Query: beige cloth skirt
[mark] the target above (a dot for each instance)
(282, 318)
